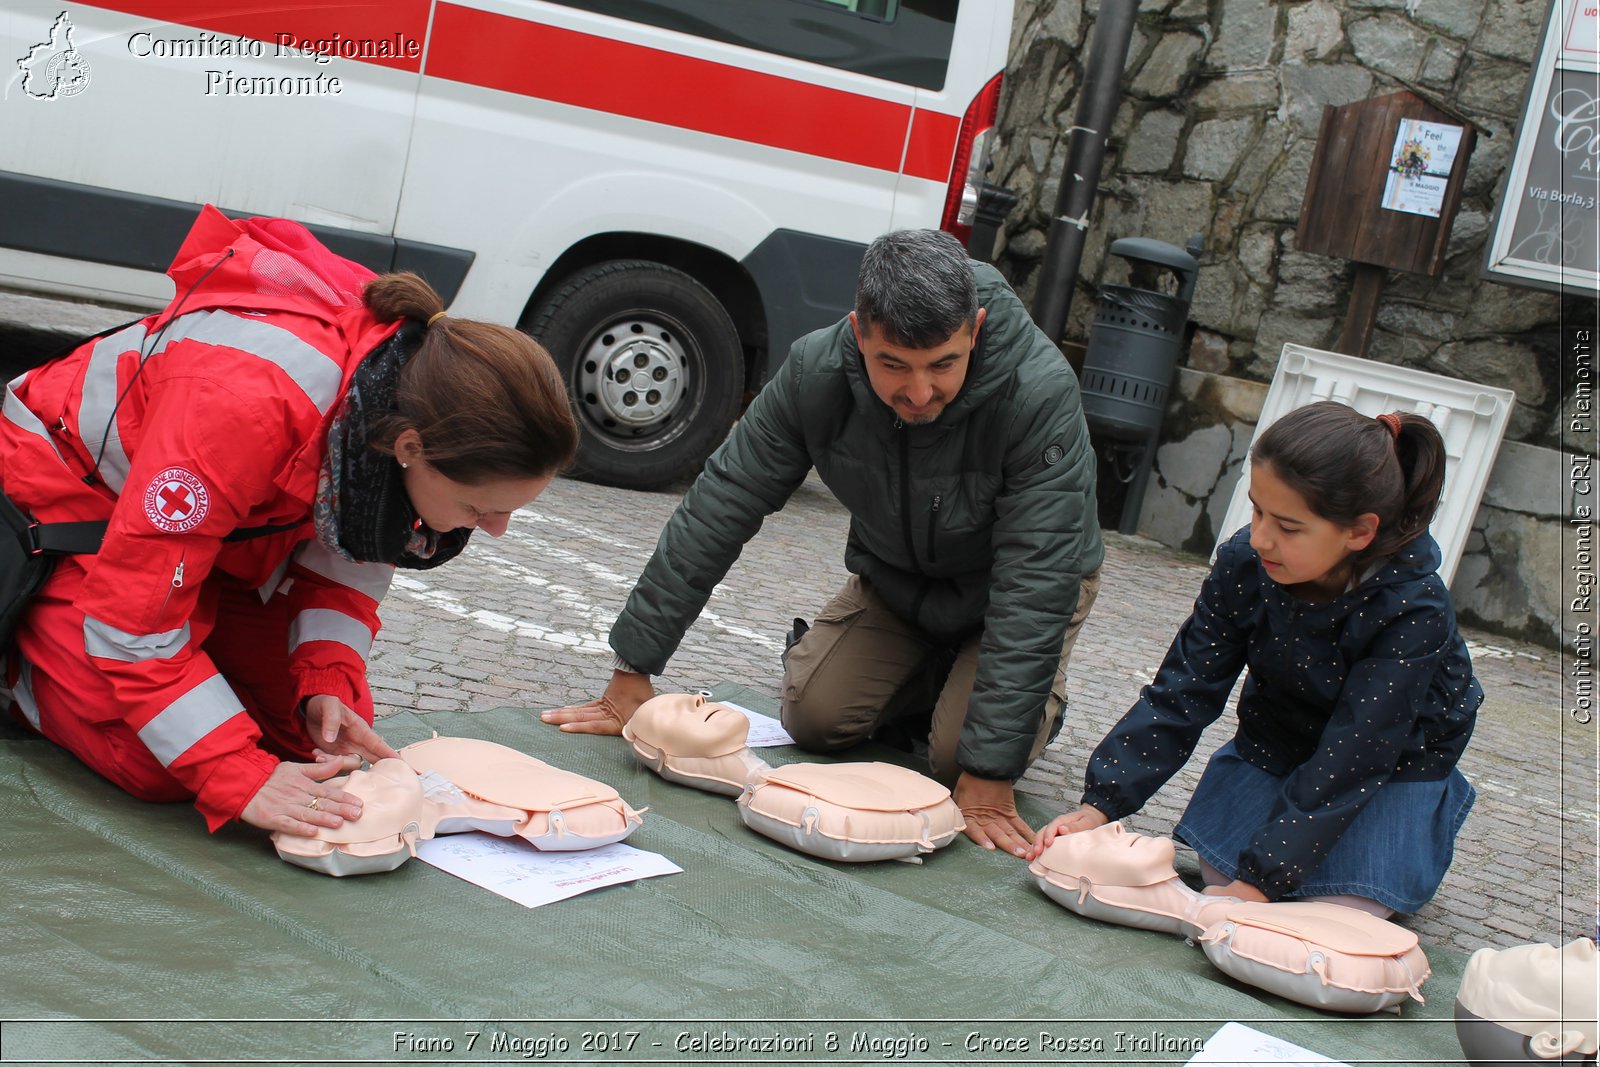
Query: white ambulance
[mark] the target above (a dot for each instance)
(665, 192)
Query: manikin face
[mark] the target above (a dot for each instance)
(683, 724)
(917, 382)
(1299, 548)
(1536, 983)
(444, 504)
(391, 798)
(1110, 855)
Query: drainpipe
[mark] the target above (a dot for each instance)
(1101, 92)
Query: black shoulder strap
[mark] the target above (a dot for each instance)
(83, 538)
(64, 538)
(250, 533)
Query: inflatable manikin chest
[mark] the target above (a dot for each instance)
(1318, 954)
(1529, 1004)
(852, 812)
(450, 785)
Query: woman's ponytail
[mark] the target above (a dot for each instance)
(487, 400)
(402, 296)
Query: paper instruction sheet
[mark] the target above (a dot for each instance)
(517, 871)
(1236, 1043)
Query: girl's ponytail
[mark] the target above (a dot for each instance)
(1419, 449)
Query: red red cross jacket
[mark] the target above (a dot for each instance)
(222, 427)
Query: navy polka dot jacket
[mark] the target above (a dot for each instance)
(1339, 698)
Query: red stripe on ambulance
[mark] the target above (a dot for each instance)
(582, 70)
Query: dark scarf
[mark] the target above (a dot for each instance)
(362, 511)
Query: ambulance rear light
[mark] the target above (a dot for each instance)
(973, 146)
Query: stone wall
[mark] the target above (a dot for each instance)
(1215, 135)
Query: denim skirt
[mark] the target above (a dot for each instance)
(1396, 851)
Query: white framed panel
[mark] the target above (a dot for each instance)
(1546, 229)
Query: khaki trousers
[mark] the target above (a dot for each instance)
(860, 666)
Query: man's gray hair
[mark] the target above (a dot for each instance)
(916, 288)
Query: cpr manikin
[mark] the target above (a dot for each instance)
(1319, 954)
(1531, 1003)
(686, 740)
(449, 785)
(839, 811)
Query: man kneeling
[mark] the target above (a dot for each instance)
(951, 429)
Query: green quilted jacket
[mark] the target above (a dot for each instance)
(982, 520)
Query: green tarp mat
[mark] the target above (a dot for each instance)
(131, 935)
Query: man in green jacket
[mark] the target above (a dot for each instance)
(950, 427)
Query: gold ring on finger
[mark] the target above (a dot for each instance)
(314, 803)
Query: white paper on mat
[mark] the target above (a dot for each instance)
(1236, 1043)
(765, 731)
(517, 871)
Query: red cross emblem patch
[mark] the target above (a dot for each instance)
(177, 501)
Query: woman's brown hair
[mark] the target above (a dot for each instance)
(1344, 465)
(486, 400)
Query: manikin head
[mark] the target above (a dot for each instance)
(684, 724)
(1111, 856)
(1544, 995)
(391, 801)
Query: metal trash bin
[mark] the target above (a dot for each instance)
(1134, 343)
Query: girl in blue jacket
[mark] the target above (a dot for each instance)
(1341, 782)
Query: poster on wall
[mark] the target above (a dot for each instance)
(1420, 162)
(1546, 231)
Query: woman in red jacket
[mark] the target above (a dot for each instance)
(265, 451)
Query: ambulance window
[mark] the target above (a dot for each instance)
(906, 41)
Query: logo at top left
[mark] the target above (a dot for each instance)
(54, 69)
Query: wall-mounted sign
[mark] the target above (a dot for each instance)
(1419, 166)
(1385, 183)
(1546, 230)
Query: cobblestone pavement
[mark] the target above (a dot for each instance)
(522, 622)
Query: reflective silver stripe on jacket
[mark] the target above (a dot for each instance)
(325, 624)
(107, 642)
(182, 723)
(23, 693)
(97, 427)
(316, 374)
(371, 579)
(18, 413)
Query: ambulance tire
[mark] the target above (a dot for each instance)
(653, 365)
